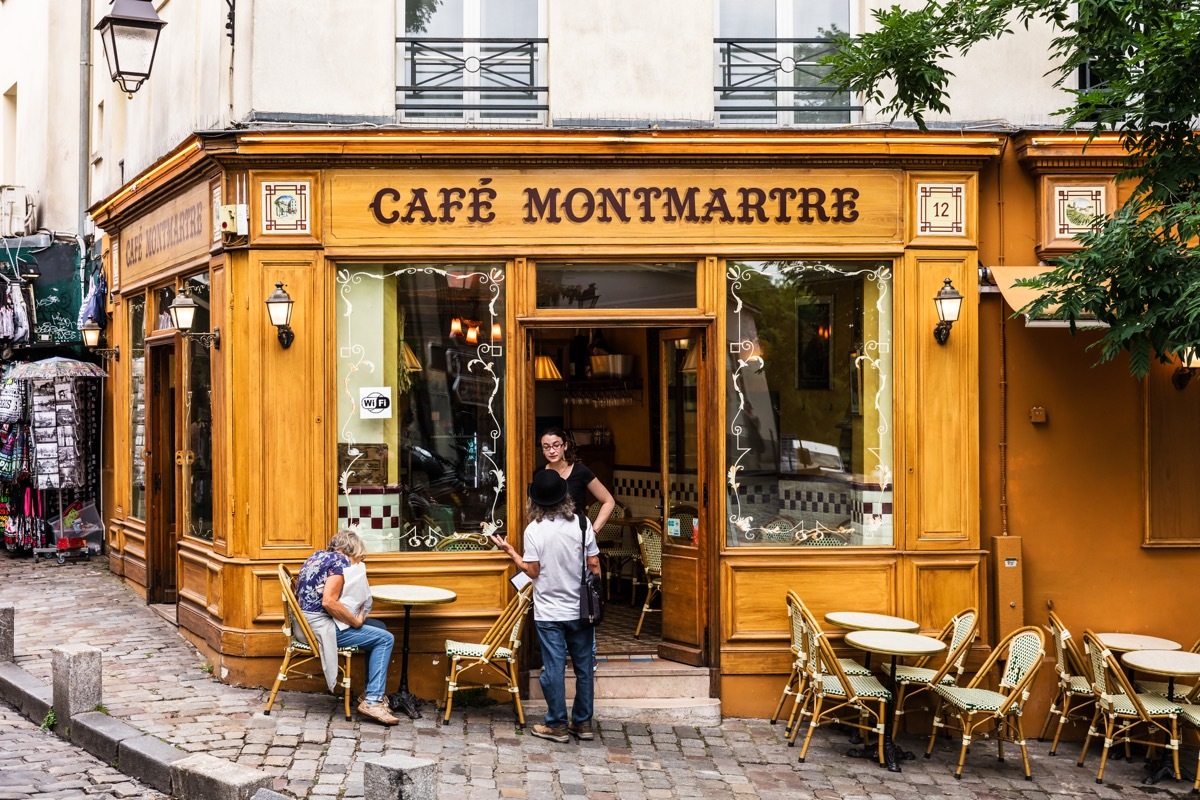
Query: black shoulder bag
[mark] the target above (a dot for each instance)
(591, 606)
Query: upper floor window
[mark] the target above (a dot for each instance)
(472, 61)
(767, 62)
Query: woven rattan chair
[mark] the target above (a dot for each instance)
(811, 632)
(1074, 682)
(1190, 714)
(612, 535)
(797, 681)
(303, 648)
(911, 680)
(463, 541)
(979, 712)
(650, 543)
(493, 660)
(1124, 710)
(856, 701)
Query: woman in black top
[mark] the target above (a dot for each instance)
(559, 452)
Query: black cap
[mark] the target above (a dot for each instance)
(548, 488)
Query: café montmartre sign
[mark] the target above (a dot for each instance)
(616, 205)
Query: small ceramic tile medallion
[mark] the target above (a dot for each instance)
(1075, 209)
(285, 207)
(941, 209)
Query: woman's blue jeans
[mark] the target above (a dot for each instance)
(558, 639)
(377, 640)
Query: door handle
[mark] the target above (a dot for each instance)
(184, 457)
(145, 455)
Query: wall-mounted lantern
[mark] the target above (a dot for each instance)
(279, 309)
(949, 305)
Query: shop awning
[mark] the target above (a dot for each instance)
(1018, 297)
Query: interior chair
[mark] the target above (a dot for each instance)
(459, 542)
(1124, 710)
(491, 661)
(858, 701)
(650, 544)
(687, 517)
(303, 647)
(978, 712)
(608, 538)
(1161, 687)
(1074, 682)
(912, 680)
(779, 530)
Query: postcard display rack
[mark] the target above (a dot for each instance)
(48, 469)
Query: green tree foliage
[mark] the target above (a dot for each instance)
(1138, 271)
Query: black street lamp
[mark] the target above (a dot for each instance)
(130, 36)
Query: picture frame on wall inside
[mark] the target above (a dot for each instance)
(814, 342)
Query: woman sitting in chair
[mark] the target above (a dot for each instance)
(339, 619)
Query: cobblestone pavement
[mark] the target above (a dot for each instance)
(156, 681)
(36, 763)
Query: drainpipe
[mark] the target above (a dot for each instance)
(85, 133)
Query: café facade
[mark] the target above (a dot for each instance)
(736, 328)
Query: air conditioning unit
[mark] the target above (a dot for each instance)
(18, 211)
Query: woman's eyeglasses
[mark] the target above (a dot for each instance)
(558, 446)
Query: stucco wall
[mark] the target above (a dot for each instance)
(631, 60)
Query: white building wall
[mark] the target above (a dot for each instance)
(630, 60)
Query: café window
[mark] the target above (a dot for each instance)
(137, 406)
(197, 409)
(809, 425)
(420, 384)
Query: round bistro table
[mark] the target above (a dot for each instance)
(893, 644)
(1129, 642)
(1173, 664)
(863, 621)
(409, 595)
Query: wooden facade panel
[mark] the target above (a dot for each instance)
(753, 592)
(192, 579)
(943, 443)
(291, 407)
(1172, 468)
(938, 587)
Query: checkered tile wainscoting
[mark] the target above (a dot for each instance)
(376, 514)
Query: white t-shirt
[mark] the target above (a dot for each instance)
(557, 546)
(356, 592)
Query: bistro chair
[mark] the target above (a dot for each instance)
(1124, 710)
(1191, 715)
(303, 645)
(687, 518)
(976, 709)
(811, 632)
(494, 658)
(459, 542)
(650, 543)
(856, 701)
(1161, 687)
(611, 538)
(910, 680)
(797, 681)
(1074, 682)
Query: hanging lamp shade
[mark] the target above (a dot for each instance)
(130, 37)
(544, 369)
(411, 362)
(691, 361)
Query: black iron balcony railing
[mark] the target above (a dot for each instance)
(777, 81)
(472, 80)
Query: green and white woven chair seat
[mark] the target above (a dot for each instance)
(1160, 687)
(1153, 703)
(1191, 713)
(1080, 685)
(863, 685)
(852, 667)
(469, 650)
(300, 644)
(971, 699)
(921, 675)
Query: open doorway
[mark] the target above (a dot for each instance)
(628, 397)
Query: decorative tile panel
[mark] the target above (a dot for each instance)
(941, 209)
(286, 207)
(1075, 208)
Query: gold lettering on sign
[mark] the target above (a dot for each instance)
(178, 229)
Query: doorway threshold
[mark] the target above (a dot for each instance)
(168, 611)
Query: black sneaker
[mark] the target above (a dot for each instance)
(581, 731)
(553, 734)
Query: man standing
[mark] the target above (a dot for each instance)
(555, 548)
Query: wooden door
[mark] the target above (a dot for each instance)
(684, 393)
(161, 440)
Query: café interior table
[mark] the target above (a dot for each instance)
(1173, 664)
(409, 595)
(893, 644)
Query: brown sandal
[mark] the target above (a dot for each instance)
(378, 712)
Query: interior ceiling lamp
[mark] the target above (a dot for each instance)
(691, 361)
(279, 309)
(91, 340)
(1189, 361)
(544, 369)
(497, 335)
(183, 316)
(411, 362)
(949, 303)
(456, 329)
(130, 36)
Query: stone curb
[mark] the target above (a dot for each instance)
(144, 758)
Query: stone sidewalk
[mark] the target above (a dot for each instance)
(156, 681)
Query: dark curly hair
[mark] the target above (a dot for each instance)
(569, 449)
